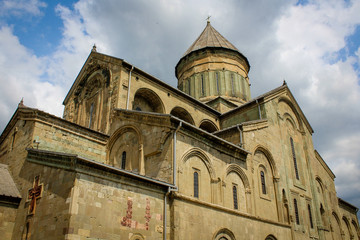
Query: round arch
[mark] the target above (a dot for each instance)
(289, 118)
(224, 234)
(237, 169)
(291, 105)
(270, 237)
(181, 113)
(147, 100)
(208, 126)
(347, 227)
(118, 133)
(270, 158)
(203, 157)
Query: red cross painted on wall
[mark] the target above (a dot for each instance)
(34, 194)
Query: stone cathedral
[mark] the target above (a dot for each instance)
(134, 158)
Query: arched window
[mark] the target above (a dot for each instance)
(296, 212)
(91, 114)
(294, 158)
(235, 198)
(217, 83)
(123, 160)
(202, 85)
(189, 87)
(263, 184)
(196, 184)
(310, 217)
(232, 85)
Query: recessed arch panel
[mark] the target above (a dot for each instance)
(148, 101)
(208, 126)
(181, 113)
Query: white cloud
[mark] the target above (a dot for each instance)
(21, 7)
(20, 77)
(281, 40)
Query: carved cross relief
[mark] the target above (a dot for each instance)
(33, 194)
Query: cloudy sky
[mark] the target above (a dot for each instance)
(313, 45)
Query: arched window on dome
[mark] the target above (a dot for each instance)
(217, 83)
(202, 85)
(232, 85)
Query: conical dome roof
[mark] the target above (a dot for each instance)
(210, 38)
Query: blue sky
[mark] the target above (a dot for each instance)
(313, 45)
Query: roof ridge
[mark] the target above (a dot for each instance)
(210, 37)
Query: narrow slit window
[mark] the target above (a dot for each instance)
(294, 158)
(189, 89)
(232, 85)
(91, 114)
(217, 83)
(196, 184)
(263, 183)
(123, 160)
(310, 217)
(296, 212)
(202, 85)
(235, 197)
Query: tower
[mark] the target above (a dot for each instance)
(214, 71)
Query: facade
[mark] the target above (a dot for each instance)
(134, 158)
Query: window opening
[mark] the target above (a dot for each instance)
(123, 160)
(217, 83)
(294, 158)
(91, 114)
(196, 184)
(310, 217)
(235, 197)
(232, 85)
(263, 184)
(189, 86)
(296, 212)
(202, 85)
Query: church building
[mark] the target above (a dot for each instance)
(135, 158)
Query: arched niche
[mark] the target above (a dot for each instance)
(195, 161)
(336, 226)
(208, 126)
(346, 228)
(181, 113)
(355, 229)
(235, 177)
(148, 101)
(126, 139)
(265, 191)
(320, 189)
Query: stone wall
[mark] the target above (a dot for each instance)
(103, 209)
(7, 220)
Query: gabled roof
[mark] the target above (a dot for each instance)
(210, 38)
(7, 184)
(269, 94)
